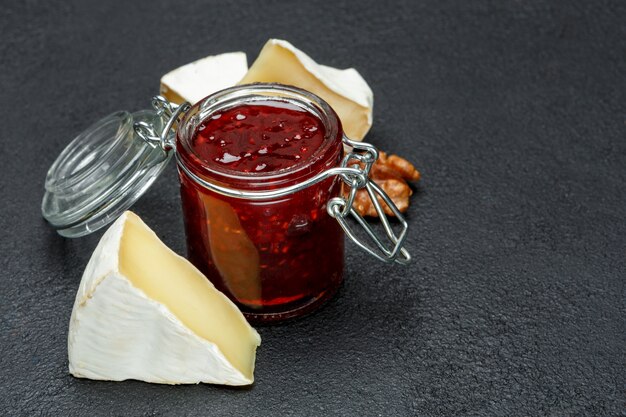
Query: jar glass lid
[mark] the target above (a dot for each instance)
(103, 172)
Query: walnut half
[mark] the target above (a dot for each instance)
(392, 174)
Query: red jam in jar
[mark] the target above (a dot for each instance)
(279, 257)
(259, 137)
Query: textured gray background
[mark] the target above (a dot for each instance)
(515, 113)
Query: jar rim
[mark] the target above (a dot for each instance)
(259, 92)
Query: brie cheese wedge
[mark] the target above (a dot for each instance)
(195, 81)
(142, 312)
(345, 90)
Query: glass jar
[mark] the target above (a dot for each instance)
(276, 258)
(271, 241)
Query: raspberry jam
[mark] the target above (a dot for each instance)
(275, 258)
(260, 137)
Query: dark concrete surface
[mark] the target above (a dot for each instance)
(515, 113)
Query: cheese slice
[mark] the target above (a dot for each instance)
(345, 90)
(142, 312)
(194, 81)
(235, 256)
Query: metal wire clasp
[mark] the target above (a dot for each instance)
(169, 114)
(361, 158)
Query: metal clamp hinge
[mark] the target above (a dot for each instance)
(169, 113)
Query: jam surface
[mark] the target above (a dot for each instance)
(276, 258)
(260, 137)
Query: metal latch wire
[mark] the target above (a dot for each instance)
(340, 207)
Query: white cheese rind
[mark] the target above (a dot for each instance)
(103, 260)
(198, 79)
(117, 332)
(347, 82)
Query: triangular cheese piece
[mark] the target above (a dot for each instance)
(345, 90)
(142, 312)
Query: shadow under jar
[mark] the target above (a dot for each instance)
(276, 258)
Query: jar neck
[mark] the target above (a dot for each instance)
(328, 155)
